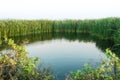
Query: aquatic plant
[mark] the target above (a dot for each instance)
(104, 28)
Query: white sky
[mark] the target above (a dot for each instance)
(59, 9)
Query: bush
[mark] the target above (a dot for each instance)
(16, 65)
(109, 70)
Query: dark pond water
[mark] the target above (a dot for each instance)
(66, 52)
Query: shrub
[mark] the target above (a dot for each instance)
(16, 65)
(109, 70)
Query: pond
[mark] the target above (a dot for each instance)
(64, 56)
(66, 52)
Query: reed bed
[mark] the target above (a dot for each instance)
(104, 28)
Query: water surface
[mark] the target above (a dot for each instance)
(64, 55)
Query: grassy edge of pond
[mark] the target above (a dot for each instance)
(104, 28)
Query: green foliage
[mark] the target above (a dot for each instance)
(16, 65)
(104, 28)
(117, 36)
(109, 70)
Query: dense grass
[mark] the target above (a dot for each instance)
(104, 28)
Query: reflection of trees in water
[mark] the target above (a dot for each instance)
(100, 43)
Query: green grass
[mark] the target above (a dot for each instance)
(104, 28)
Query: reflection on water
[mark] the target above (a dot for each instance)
(100, 43)
(66, 52)
(64, 56)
